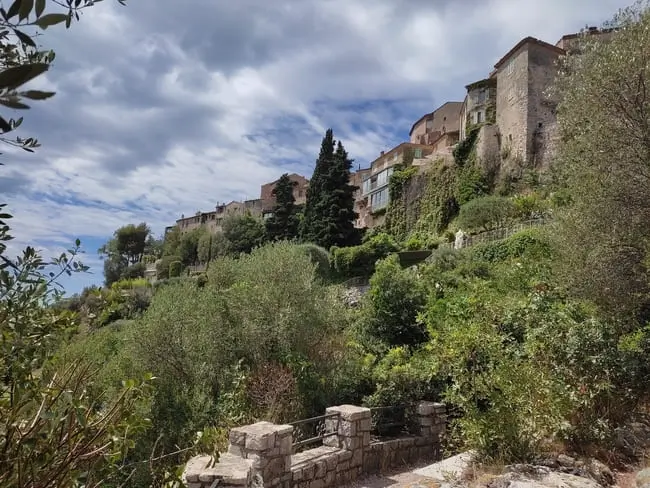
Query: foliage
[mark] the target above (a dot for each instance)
(392, 306)
(532, 243)
(329, 211)
(162, 267)
(283, 224)
(125, 250)
(360, 260)
(52, 432)
(134, 271)
(171, 241)
(188, 247)
(603, 166)
(175, 269)
(465, 149)
(320, 257)
(396, 222)
(485, 213)
(472, 183)
(243, 232)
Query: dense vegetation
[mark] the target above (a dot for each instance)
(533, 340)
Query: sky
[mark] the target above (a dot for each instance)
(167, 107)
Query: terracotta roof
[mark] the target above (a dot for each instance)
(522, 43)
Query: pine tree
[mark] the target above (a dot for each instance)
(329, 212)
(284, 222)
(312, 223)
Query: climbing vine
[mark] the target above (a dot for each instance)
(465, 150)
(396, 215)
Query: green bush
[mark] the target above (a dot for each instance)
(391, 308)
(134, 271)
(162, 267)
(360, 260)
(175, 269)
(485, 213)
(320, 257)
(531, 242)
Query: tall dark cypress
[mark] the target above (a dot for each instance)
(283, 224)
(312, 223)
(340, 202)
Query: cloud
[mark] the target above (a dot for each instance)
(167, 107)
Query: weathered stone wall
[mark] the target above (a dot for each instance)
(542, 120)
(261, 453)
(512, 107)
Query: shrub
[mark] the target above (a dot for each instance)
(360, 260)
(134, 271)
(485, 213)
(391, 307)
(175, 269)
(531, 242)
(162, 267)
(320, 257)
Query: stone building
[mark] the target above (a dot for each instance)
(213, 221)
(299, 190)
(374, 194)
(479, 105)
(517, 118)
(428, 128)
(360, 204)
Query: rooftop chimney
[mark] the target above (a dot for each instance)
(382, 153)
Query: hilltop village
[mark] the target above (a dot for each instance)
(509, 114)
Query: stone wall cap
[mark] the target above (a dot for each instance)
(196, 466)
(234, 470)
(349, 412)
(261, 428)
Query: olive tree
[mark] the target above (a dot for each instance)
(604, 165)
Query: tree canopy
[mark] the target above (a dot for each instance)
(283, 224)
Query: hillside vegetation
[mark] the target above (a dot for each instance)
(533, 341)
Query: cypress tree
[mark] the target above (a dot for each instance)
(284, 222)
(329, 211)
(312, 223)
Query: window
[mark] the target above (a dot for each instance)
(510, 68)
(429, 124)
(417, 154)
(379, 200)
(479, 117)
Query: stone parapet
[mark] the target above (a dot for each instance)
(261, 454)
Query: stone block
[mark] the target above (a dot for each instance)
(284, 444)
(365, 425)
(331, 462)
(357, 458)
(344, 456)
(425, 421)
(350, 412)
(330, 477)
(237, 436)
(319, 483)
(426, 408)
(347, 428)
(321, 469)
(365, 439)
(331, 441)
(258, 462)
(351, 443)
(342, 466)
(274, 469)
(297, 474)
(309, 472)
(236, 450)
(195, 485)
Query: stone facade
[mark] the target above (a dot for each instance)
(261, 454)
(299, 191)
(431, 126)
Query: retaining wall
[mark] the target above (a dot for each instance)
(261, 454)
